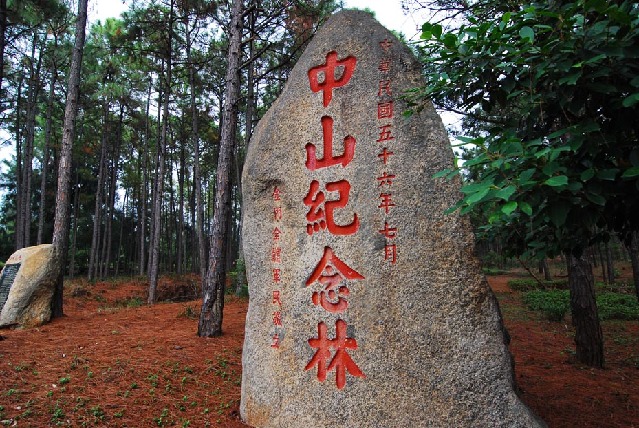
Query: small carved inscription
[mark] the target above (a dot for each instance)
(6, 281)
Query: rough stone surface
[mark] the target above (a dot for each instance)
(29, 300)
(424, 334)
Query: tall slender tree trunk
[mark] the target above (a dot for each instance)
(121, 235)
(45, 155)
(171, 220)
(155, 176)
(61, 221)
(3, 30)
(74, 226)
(144, 185)
(239, 155)
(115, 165)
(602, 262)
(210, 323)
(30, 124)
(19, 234)
(197, 175)
(97, 216)
(180, 217)
(48, 131)
(543, 268)
(588, 335)
(610, 263)
(157, 203)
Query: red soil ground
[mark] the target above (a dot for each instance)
(108, 364)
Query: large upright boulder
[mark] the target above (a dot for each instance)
(367, 305)
(27, 284)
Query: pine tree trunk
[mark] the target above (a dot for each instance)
(144, 185)
(45, 156)
(97, 216)
(156, 210)
(115, 165)
(121, 235)
(19, 235)
(3, 30)
(159, 188)
(61, 221)
(180, 216)
(197, 175)
(585, 319)
(210, 323)
(30, 124)
(546, 269)
(74, 227)
(602, 262)
(610, 265)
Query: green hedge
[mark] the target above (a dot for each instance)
(554, 304)
(528, 284)
(617, 306)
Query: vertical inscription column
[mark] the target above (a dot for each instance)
(329, 279)
(276, 266)
(386, 140)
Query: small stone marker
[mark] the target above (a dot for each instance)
(367, 306)
(27, 284)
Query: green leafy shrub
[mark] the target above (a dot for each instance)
(618, 306)
(555, 303)
(552, 303)
(494, 271)
(528, 284)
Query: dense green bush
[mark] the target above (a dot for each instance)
(528, 284)
(494, 271)
(618, 306)
(552, 303)
(555, 303)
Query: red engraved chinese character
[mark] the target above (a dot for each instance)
(384, 155)
(389, 232)
(276, 297)
(277, 195)
(384, 65)
(277, 275)
(330, 81)
(276, 255)
(385, 110)
(277, 213)
(330, 272)
(277, 318)
(386, 44)
(276, 234)
(341, 361)
(390, 253)
(276, 341)
(320, 213)
(344, 159)
(384, 88)
(386, 202)
(385, 133)
(386, 179)
(333, 296)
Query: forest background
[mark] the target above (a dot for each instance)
(166, 110)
